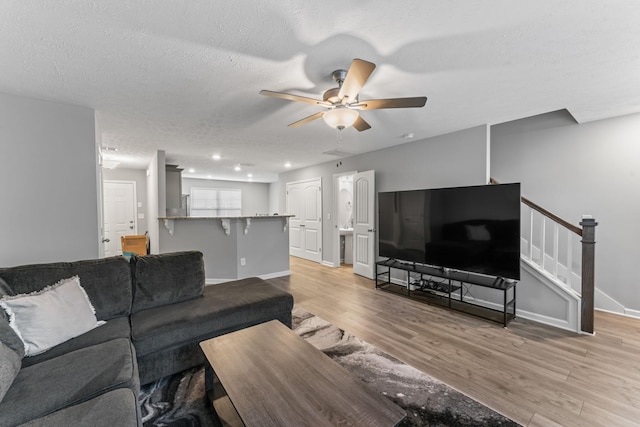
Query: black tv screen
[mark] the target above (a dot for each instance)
(475, 229)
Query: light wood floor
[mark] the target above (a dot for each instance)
(534, 374)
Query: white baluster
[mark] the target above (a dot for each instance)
(530, 234)
(570, 259)
(543, 247)
(556, 257)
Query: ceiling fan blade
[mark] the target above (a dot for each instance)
(291, 97)
(307, 119)
(357, 76)
(377, 104)
(360, 124)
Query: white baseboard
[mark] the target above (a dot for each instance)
(540, 318)
(546, 320)
(529, 315)
(558, 323)
(329, 264)
(209, 281)
(399, 282)
(607, 304)
(634, 314)
(276, 274)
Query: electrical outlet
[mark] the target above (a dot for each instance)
(243, 261)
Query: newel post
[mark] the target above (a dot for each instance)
(588, 272)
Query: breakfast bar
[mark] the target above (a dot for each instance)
(233, 247)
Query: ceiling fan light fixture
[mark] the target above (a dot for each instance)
(340, 117)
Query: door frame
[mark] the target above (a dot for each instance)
(335, 262)
(100, 193)
(135, 203)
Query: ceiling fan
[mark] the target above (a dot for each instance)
(342, 102)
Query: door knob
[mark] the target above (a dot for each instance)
(131, 227)
(106, 240)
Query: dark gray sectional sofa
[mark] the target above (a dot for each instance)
(156, 309)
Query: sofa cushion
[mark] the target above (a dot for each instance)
(114, 408)
(9, 337)
(11, 354)
(10, 363)
(72, 378)
(5, 290)
(167, 278)
(51, 316)
(171, 360)
(114, 328)
(224, 307)
(107, 281)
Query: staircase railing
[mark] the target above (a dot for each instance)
(563, 251)
(552, 244)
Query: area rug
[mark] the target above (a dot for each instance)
(179, 400)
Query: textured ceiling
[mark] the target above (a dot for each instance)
(184, 76)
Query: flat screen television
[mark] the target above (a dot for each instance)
(474, 229)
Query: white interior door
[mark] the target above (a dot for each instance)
(313, 220)
(364, 221)
(119, 214)
(304, 201)
(294, 207)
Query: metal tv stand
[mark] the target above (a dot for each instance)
(450, 288)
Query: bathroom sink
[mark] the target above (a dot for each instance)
(346, 231)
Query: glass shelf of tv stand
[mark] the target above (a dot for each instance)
(450, 282)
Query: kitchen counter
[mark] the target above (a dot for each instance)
(234, 247)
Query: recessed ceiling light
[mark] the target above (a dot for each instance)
(216, 157)
(237, 168)
(112, 149)
(249, 175)
(208, 176)
(407, 135)
(192, 170)
(287, 165)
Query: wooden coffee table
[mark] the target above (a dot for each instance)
(275, 378)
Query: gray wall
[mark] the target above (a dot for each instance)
(156, 198)
(48, 182)
(255, 195)
(274, 197)
(265, 247)
(455, 159)
(207, 236)
(139, 176)
(574, 169)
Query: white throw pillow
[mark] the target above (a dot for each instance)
(49, 317)
(477, 232)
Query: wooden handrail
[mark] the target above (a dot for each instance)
(555, 218)
(566, 224)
